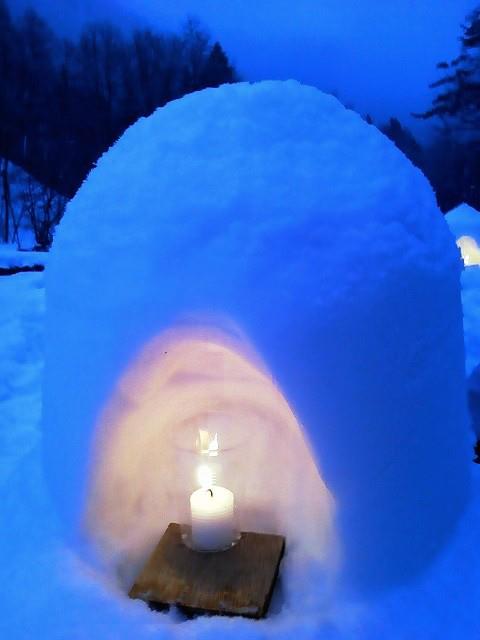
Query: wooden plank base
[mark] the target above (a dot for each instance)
(11, 271)
(238, 581)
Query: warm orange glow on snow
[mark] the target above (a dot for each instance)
(180, 377)
(470, 250)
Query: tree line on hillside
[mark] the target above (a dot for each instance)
(64, 102)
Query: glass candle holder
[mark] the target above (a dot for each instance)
(209, 489)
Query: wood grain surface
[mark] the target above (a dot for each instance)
(238, 581)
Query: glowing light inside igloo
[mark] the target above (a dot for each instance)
(197, 432)
(470, 250)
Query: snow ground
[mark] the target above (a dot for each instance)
(471, 316)
(48, 593)
(21, 313)
(11, 257)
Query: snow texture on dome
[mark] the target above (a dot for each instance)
(273, 206)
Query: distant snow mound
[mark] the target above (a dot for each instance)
(464, 220)
(282, 217)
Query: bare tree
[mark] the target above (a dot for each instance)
(44, 208)
(6, 202)
(28, 207)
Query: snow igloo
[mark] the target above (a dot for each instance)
(260, 250)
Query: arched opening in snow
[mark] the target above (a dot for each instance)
(182, 376)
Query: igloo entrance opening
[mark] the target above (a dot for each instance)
(182, 377)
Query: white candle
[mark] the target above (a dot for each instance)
(212, 518)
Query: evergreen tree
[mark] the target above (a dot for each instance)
(217, 68)
(404, 140)
(457, 108)
(448, 166)
(458, 102)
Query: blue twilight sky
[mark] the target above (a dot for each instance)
(376, 55)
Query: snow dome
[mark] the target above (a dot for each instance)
(260, 250)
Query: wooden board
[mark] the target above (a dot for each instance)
(238, 581)
(11, 271)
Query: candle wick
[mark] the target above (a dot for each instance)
(211, 492)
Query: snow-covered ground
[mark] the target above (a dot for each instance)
(48, 593)
(21, 314)
(471, 316)
(11, 257)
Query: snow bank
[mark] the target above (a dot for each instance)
(21, 363)
(471, 322)
(471, 314)
(10, 256)
(464, 220)
(272, 209)
(464, 223)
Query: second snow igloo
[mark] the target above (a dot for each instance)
(268, 223)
